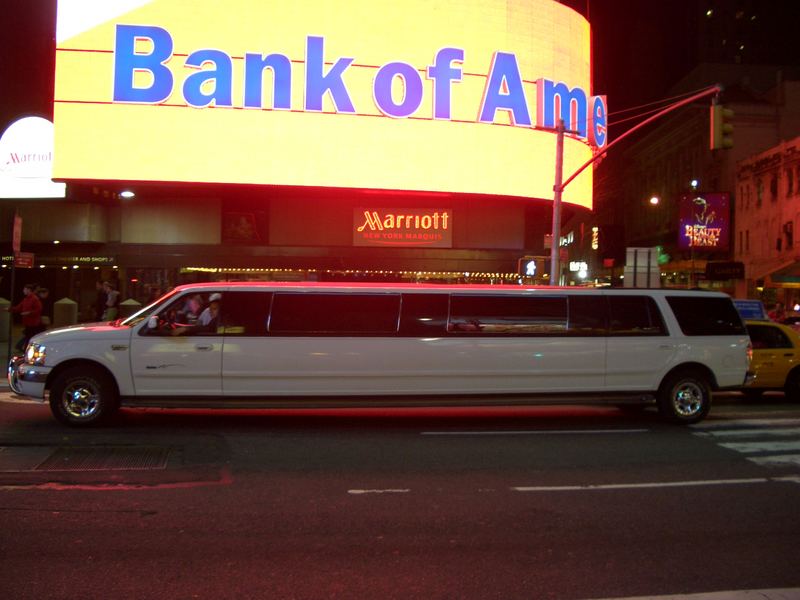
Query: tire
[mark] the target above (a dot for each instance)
(791, 388)
(753, 394)
(83, 396)
(684, 397)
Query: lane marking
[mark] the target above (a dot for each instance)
(538, 432)
(389, 491)
(655, 484)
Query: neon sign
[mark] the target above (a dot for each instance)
(421, 95)
(403, 227)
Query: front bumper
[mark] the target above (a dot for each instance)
(26, 380)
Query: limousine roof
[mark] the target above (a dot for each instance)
(425, 287)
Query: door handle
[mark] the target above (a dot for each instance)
(203, 347)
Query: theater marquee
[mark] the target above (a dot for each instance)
(416, 95)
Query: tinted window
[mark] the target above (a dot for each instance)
(766, 336)
(246, 313)
(301, 313)
(424, 315)
(706, 316)
(587, 315)
(520, 315)
(634, 315)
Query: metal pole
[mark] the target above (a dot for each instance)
(558, 189)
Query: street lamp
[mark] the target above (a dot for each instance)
(654, 200)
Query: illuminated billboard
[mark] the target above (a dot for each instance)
(415, 95)
(704, 221)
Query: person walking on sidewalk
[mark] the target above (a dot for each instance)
(30, 309)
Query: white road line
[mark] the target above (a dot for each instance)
(654, 484)
(777, 460)
(730, 424)
(752, 447)
(775, 432)
(389, 491)
(538, 432)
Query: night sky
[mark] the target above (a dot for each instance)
(640, 47)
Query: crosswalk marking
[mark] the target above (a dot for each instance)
(753, 447)
(765, 442)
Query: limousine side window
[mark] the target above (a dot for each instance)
(634, 315)
(246, 313)
(512, 315)
(587, 315)
(184, 316)
(423, 315)
(706, 316)
(298, 313)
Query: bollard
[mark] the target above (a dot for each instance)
(65, 312)
(128, 307)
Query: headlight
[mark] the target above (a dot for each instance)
(34, 354)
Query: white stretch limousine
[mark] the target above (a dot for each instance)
(236, 345)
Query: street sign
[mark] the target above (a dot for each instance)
(23, 260)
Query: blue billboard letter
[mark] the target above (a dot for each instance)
(127, 62)
(504, 91)
(598, 121)
(382, 89)
(442, 73)
(221, 76)
(281, 66)
(557, 101)
(317, 83)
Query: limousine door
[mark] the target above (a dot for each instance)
(638, 344)
(171, 360)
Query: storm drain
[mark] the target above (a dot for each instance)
(106, 458)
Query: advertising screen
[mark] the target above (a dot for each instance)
(424, 95)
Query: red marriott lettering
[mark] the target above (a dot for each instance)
(375, 222)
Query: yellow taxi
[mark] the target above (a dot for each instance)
(776, 359)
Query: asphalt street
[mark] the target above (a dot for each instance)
(545, 502)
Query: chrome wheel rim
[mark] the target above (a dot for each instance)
(688, 399)
(81, 400)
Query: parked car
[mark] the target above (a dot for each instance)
(776, 359)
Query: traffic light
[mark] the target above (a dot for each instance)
(721, 127)
(531, 266)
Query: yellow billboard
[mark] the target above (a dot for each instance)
(423, 95)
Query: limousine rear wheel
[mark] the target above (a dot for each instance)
(684, 397)
(83, 396)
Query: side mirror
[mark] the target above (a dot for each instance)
(152, 322)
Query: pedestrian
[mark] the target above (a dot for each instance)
(47, 307)
(30, 309)
(778, 313)
(100, 301)
(112, 301)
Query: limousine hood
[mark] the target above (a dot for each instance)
(84, 331)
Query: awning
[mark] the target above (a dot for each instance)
(789, 274)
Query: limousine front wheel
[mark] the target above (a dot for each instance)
(684, 397)
(83, 396)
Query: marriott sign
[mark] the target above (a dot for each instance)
(412, 227)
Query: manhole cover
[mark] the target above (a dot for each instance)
(106, 458)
